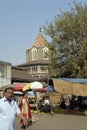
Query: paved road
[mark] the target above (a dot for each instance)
(57, 122)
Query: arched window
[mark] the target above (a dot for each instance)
(34, 53)
(45, 51)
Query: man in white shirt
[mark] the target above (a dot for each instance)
(8, 110)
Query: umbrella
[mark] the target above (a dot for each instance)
(40, 90)
(18, 93)
(27, 87)
(18, 86)
(36, 85)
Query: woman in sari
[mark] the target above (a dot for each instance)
(25, 109)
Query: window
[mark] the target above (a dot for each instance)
(45, 51)
(34, 53)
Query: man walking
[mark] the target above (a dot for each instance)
(8, 110)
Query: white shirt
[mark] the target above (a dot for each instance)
(46, 101)
(8, 114)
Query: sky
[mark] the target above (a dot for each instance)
(20, 21)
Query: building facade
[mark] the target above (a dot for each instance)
(5, 73)
(37, 59)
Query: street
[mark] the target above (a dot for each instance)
(57, 122)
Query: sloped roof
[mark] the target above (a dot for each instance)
(40, 41)
(34, 62)
(20, 74)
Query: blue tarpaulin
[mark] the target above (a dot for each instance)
(76, 80)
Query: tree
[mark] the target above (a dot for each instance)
(68, 48)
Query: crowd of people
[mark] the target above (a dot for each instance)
(10, 108)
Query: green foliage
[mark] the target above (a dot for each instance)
(68, 48)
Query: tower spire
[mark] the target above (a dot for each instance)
(40, 29)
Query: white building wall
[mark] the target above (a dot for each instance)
(5, 73)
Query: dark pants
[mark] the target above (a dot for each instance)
(46, 109)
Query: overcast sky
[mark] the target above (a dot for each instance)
(20, 21)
